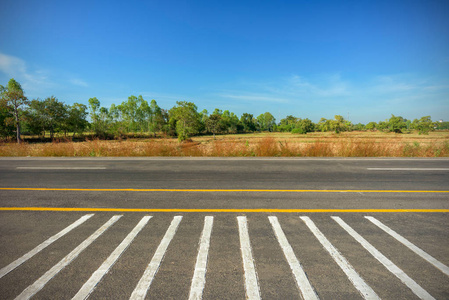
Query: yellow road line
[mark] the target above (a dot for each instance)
(221, 210)
(221, 190)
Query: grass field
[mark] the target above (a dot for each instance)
(347, 144)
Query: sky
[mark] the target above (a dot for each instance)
(364, 60)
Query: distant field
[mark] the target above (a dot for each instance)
(346, 144)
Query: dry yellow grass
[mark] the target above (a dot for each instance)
(350, 144)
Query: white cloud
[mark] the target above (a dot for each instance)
(325, 86)
(16, 68)
(11, 65)
(253, 97)
(78, 82)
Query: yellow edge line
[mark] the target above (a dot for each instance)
(220, 190)
(219, 210)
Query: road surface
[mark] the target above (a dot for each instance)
(224, 228)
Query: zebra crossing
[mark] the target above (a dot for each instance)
(250, 266)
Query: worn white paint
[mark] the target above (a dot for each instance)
(199, 275)
(365, 290)
(251, 282)
(91, 283)
(145, 281)
(43, 245)
(442, 267)
(44, 279)
(410, 283)
(305, 288)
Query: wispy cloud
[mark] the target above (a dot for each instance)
(78, 82)
(253, 97)
(324, 86)
(290, 90)
(11, 65)
(370, 98)
(17, 68)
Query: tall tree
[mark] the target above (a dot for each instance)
(54, 114)
(185, 119)
(213, 123)
(303, 126)
(94, 107)
(35, 118)
(287, 124)
(248, 122)
(338, 124)
(266, 122)
(397, 124)
(157, 120)
(14, 99)
(76, 119)
(424, 125)
(6, 127)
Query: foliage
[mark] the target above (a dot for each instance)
(266, 122)
(137, 116)
(76, 120)
(442, 125)
(371, 126)
(287, 124)
(13, 100)
(248, 123)
(396, 124)
(214, 123)
(185, 120)
(6, 126)
(303, 126)
(424, 125)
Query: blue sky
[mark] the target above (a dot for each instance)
(310, 59)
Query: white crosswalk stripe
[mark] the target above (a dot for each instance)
(42, 246)
(200, 266)
(416, 288)
(145, 281)
(42, 281)
(89, 286)
(404, 241)
(251, 282)
(307, 291)
(365, 290)
(199, 275)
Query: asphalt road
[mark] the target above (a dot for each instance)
(168, 252)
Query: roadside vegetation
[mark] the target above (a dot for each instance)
(135, 127)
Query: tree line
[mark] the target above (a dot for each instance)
(19, 115)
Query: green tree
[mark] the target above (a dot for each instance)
(338, 124)
(54, 114)
(185, 119)
(371, 126)
(157, 121)
(47, 115)
(303, 126)
(14, 100)
(94, 107)
(35, 118)
(247, 122)
(382, 125)
(441, 125)
(266, 122)
(230, 121)
(287, 124)
(324, 125)
(359, 127)
(76, 120)
(396, 124)
(6, 127)
(213, 124)
(424, 125)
